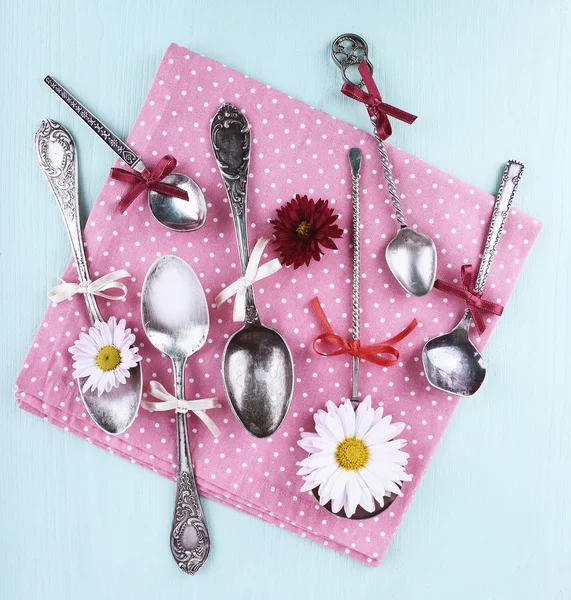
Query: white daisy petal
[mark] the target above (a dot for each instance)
(319, 459)
(363, 418)
(353, 496)
(366, 501)
(334, 427)
(347, 416)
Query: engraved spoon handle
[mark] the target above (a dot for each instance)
(506, 192)
(56, 154)
(117, 145)
(190, 540)
(232, 152)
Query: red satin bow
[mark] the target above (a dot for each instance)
(373, 353)
(148, 180)
(375, 105)
(473, 298)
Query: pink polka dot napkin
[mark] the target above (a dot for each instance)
(295, 149)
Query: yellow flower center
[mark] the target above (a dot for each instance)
(352, 454)
(108, 358)
(304, 229)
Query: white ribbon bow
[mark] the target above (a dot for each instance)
(170, 402)
(254, 272)
(66, 290)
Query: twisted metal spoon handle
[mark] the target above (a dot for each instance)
(57, 157)
(190, 540)
(355, 162)
(388, 174)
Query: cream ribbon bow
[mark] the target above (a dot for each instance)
(170, 402)
(66, 290)
(254, 272)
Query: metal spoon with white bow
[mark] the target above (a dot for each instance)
(173, 213)
(451, 361)
(411, 255)
(175, 318)
(115, 410)
(257, 366)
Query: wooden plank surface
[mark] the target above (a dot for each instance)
(490, 81)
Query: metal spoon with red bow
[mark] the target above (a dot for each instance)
(411, 255)
(355, 162)
(451, 362)
(184, 213)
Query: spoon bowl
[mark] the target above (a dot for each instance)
(175, 318)
(174, 309)
(177, 214)
(452, 363)
(257, 373)
(411, 257)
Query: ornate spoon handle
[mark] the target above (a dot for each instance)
(55, 150)
(117, 145)
(190, 540)
(230, 136)
(506, 192)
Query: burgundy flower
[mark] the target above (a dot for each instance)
(302, 229)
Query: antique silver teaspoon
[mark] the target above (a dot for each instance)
(115, 410)
(411, 255)
(175, 318)
(173, 213)
(355, 162)
(451, 362)
(257, 366)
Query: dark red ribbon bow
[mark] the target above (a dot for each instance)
(373, 353)
(375, 105)
(472, 297)
(148, 180)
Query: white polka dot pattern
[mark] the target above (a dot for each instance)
(295, 149)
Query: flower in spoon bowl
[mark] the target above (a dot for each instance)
(303, 228)
(354, 458)
(104, 355)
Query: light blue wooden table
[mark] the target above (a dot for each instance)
(490, 81)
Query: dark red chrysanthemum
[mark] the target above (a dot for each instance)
(302, 228)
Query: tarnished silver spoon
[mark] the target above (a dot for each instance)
(173, 213)
(355, 162)
(411, 255)
(451, 361)
(115, 410)
(257, 366)
(175, 317)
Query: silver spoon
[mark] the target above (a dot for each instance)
(175, 317)
(411, 255)
(257, 365)
(355, 162)
(173, 213)
(114, 411)
(451, 362)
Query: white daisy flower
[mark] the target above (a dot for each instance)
(354, 457)
(104, 356)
